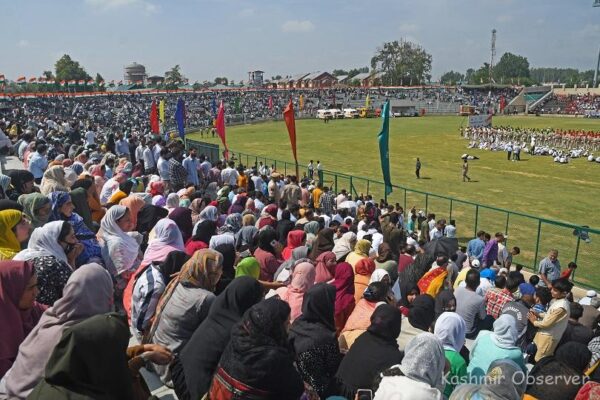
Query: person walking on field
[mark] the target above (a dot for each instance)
(418, 168)
(465, 170)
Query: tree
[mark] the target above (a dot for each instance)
(511, 66)
(481, 76)
(98, 79)
(68, 69)
(221, 81)
(276, 77)
(452, 78)
(339, 72)
(402, 62)
(174, 78)
(48, 75)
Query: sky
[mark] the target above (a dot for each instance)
(210, 38)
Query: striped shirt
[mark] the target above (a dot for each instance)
(147, 290)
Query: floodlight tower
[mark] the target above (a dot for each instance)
(493, 55)
(597, 71)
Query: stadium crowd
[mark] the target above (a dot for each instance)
(559, 144)
(237, 282)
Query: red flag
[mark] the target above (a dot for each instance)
(271, 103)
(502, 103)
(290, 122)
(154, 126)
(220, 127)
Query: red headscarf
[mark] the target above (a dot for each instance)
(294, 239)
(15, 324)
(344, 287)
(324, 272)
(156, 188)
(365, 266)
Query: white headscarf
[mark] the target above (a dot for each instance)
(505, 333)
(209, 213)
(344, 245)
(378, 275)
(424, 360)
(450, 328)
(44, 242)
(123, 249)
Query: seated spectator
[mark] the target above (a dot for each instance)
(421, 316)
(36, 207)
(504, 380)
(576, 332)
(362, 276)
(343, 282)
(450, 329)
(14, 229)
(373, 352)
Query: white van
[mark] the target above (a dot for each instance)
(351, 113)
(324, 114)
(335, 113)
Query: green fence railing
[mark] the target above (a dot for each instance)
(535, 236)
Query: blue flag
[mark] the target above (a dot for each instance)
(180, 117)
(384, 148)
(213, 106)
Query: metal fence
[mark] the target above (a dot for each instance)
(534, 236)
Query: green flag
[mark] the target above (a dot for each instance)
(384, 148)
(237, 105)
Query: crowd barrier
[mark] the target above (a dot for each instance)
(535, 236)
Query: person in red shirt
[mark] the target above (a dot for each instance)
(570, 271)
(406, 258)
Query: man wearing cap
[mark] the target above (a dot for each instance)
(587, 300)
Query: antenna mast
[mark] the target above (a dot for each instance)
(493, 56)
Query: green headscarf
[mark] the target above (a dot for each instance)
(249, 266)
(31, 203)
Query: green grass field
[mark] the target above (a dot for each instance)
(535, 186)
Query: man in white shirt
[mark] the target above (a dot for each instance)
(191, 165)
(205, 167)
(90, 137)
(229, 175)
(451, 229)
(148, 157)
(258, 182)
(156, 149)
(139, 150)
(342, 197)
(438, 230)
(163, 166)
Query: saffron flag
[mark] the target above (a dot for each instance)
(290, 122)
(180, 117)
(220, 127)
(154, 118)
(21, 80)
(384, 151)
(367, 102)
(270, 103)
(301, 102)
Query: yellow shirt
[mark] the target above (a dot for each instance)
(242, 181)
(316, 196)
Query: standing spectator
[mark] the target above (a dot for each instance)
(490, 253)
(148, 157)
(177, 172)
(320, 171)
(476, 246)
(191, 165)
(418, 168)
(326, 202)
(163, 167)
(229, 175)
(38, 163)
(469, 305)
(122, 147)
(292, 193)
(450, 230)
(549, 268)
(311, 170)
(465, 170)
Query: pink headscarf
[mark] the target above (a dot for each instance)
(167, 239)
(325, 273)
(303, 278)
(15, 324)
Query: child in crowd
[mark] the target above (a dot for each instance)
(542, 298)
(569, 272)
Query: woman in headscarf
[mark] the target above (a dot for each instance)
(312, 230)
(147, 285)
(268, 217)
(344, 246)
(36, 207)
(80, 191)
(204, 231)
(62, 210)
(4, 186)
(197, 206)
(98, 172)
(223, 200)
(148, 217)
(183, 218)
(284, 226)
(385, 260)
(445, 302)
(156, 188)
(134, 204)
(409, 294)
(295, 238)
(226, 233)
(266, 254)
(54, 181)
(257, 361)
(359, 319)
(248, 266)
(119, 248)
(14, 229)
(172, 202)
(284, 271)
(88, 292)
(361, 252)
(21, 182)
(124, 190)
(496, 345)
(19, 312)
(195, 365)
(450, 328)
(47, 252)
(421, 315)
(344, 294)
(209, 213)
(185, 304)
(110, 187)
(420, 375)
(229, 258)
(303, 278)
(566, 368)
(160, 201)
(373, 351)
(323, 243)
(363, 270)
(245, 236)
(326, 264)
(504, 381)
(312, 336)
(239, 205)
(165, 237)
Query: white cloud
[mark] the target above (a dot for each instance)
(106, 5)
(23, 43)
(409, 27)
(298, 26)
(246, 12)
